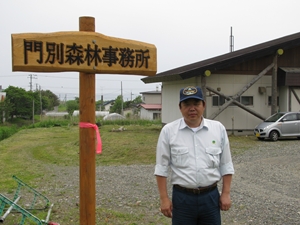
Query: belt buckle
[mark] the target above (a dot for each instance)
(203, 189)
(197, 191)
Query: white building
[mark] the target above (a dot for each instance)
(241, 88)
(151, 107)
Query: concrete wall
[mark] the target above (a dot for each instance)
(288, 100)
(152, 98)
(148, 114)
(233, 117)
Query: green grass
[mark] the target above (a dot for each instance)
(135, 145)
(7, 131)
(240, 144)
(60, 145)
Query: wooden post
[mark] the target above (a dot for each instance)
(87, 138)
(203, 87)
(274, 86)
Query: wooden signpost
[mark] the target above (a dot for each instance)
(86, 52)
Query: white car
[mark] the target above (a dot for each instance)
(281, 124)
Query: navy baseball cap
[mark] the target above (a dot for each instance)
(191, 92)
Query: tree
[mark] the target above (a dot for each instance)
(72, 105)
(133, 103)
(5, 110)
(49, 100)
(20, 102)
(138, 99)
(117, 107)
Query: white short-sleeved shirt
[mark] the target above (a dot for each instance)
(196, 158)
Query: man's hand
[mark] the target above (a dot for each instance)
(166, 207)
(225, 202)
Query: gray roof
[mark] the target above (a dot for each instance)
(226, 60)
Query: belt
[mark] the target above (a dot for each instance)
(198, 190)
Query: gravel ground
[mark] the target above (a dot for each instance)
(265, 187)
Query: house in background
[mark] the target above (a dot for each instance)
(241, 88)
(106, 105)
(150, 109)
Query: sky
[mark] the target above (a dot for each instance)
(183, 32)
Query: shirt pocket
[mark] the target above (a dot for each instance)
(180, 156)
(213, 154)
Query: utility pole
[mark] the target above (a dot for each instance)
(41, 102)
(231, 47)
(131, 96)
(31, 76)
(32, 110)
(122, 99)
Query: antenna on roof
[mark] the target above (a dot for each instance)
(231, 41)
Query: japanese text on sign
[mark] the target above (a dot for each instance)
(91, 55)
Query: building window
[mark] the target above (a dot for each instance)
(215, 100)
(247, 100)
(156, 116)
(218, 100)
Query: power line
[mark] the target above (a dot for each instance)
(77, 78)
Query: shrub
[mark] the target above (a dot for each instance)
(6, 132)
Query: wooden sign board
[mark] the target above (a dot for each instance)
(79, 51)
